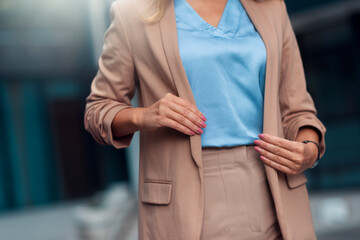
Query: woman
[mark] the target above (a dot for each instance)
(223, 114)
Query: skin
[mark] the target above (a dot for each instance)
(291, 157)
(170, 111)
(209, 10)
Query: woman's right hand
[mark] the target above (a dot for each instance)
(173, 112)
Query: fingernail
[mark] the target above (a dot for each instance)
(203, 124)
(261, 136)
(257, 142)
(258, 149)
(192, 133)
(203, 117)
(199, 131)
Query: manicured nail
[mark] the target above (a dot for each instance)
(261, 136)
(199, 131)
(257, 142)
(258, 149)
(203, 117)
(192, 133)
(203, 125)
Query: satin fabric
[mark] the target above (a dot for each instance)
(225, 66)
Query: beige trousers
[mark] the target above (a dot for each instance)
(238, 202)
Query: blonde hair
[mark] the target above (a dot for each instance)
(156, 11)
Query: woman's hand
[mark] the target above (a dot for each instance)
(173, 112)
(291, 157)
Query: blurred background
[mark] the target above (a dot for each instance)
(56, 182)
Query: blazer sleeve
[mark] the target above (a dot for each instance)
(296, 104)
(113, 86)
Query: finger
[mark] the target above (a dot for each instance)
(277, 166)
(188, 114)
(187, 105)
(183, 121)
(278, 159)
(278, 141)
(280, 151)
(177, 126)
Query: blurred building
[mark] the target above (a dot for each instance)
(46, 67)
(329, 40)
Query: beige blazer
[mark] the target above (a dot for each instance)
(142, 56)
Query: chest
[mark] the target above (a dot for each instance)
(210, 11)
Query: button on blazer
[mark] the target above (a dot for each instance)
(143, 56)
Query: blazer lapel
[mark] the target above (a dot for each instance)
(269, 121)
(170, 44)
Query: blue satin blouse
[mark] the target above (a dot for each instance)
(225, 67)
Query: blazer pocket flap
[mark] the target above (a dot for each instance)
(156, 193)
(297, 180)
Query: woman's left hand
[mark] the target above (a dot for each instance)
(291, 157)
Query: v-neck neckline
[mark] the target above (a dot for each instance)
(204, 23)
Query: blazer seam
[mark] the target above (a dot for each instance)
(286, 40)
(121, 20)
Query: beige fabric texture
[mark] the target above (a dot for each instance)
(142, 56)
(238, 201)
